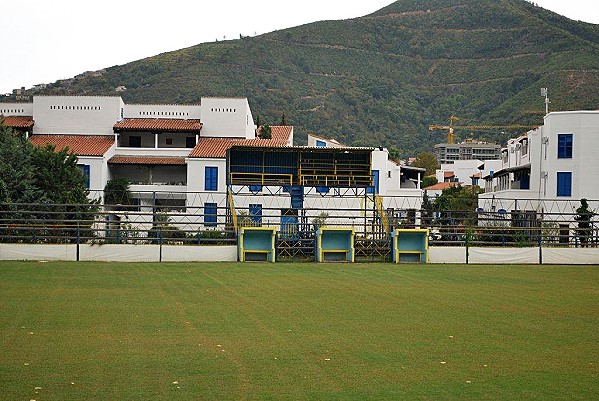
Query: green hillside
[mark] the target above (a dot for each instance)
(382, 78)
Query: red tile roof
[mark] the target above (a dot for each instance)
(217, 147)
(158, 124)
(442, 185)
(82, 145)
(448, 174)
(167, 161)
(17, 121)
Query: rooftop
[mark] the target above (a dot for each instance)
(158, 124)
(217, 147)
(82, 145)
(442, 185)
(17, 121)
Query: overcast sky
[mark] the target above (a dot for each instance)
(46, 40)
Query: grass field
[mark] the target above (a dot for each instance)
(230, 331)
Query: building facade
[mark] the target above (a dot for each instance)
(546, 172)
(448, 153)
(175, 156)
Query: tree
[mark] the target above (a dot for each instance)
(64, 195)
(265, 132)
(116, 192)
(427, 212)
(457, 205)
(583, 217)
(428, 161)
(42, 191)
(57, 175)
(16, 171)
(394, 154)
(428, 181)
(283, 120)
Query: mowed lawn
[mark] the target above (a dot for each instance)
(285, 331)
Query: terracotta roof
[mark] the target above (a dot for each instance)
(448, 174)
(17, 121)
(82, 145)
(168, 161)
(217, 147)
(442, 185)
(477, 175)
(158, 124)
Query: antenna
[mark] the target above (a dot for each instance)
(545, 93)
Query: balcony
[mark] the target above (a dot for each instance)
(150, 173)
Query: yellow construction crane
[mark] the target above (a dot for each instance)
(450, 128)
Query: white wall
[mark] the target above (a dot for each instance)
(97, 177)
(584, 164)
(168, 111)
(76, 114)
(16, 109)
(227, 118)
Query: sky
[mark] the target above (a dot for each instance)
(43, 41)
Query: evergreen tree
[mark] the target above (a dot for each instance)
(583, 217)
(42, 192)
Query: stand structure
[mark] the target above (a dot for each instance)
(410, 245)
(257, 244)
(334, 245)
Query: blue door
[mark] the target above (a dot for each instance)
(375, 181)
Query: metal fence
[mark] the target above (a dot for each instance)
(296, 229)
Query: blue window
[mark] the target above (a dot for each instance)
(255, 188)
(564, 146)
(375, 180)
(564, 184)
(210, 213)
(320, 144)
(211, 183)
(86, 173)
(256, 212)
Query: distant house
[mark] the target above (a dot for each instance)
(447, 153)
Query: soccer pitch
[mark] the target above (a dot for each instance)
(297, 331)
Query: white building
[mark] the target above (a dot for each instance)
(548, 170)
(174, 156)
(467, 172)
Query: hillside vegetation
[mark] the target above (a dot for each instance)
(382, 78)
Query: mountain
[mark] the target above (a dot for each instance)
(381, 79)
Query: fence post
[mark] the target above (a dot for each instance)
(78, 241)
(540, 240)
(160, 243)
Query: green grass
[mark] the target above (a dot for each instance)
(229, 331)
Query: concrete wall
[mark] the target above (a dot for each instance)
(16, 109)
(92, 115)
(152, 253)
(168, 111)
(227, 118)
